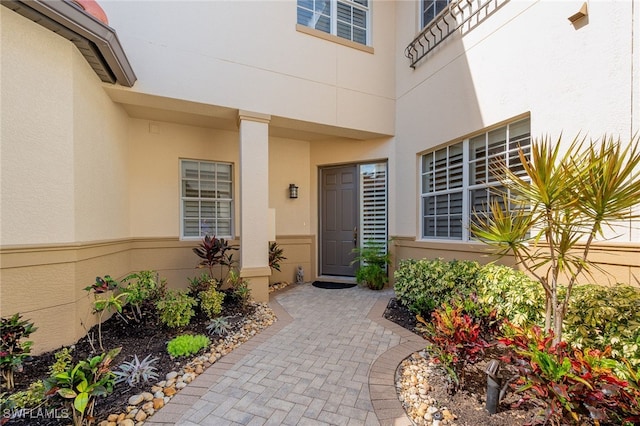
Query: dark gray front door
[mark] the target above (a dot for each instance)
(339, 219)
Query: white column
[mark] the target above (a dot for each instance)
(254, 202)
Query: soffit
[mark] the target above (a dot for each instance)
(159, 108)
(97, 42)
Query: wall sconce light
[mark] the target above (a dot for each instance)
(579, 14)
(293, 190)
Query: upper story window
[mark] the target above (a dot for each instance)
(459, 179)
(431, 9)
(348, 19)
(206, 193)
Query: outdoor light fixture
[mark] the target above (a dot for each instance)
(293, 190)
(579, 14)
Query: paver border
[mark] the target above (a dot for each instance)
(382, 387)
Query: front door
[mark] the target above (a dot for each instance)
(339, 220)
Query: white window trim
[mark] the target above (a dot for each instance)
(334, 24)
(182, 198)
(466, 188)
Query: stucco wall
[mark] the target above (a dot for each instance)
(63, 180)
(248, 55)
(526, 57)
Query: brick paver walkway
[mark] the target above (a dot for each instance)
(330, 359)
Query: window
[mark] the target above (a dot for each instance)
(373, 203)
(206, 193)
(459, 179)
(431, 9)
(348, 19)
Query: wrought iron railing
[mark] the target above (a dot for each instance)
(458, 15)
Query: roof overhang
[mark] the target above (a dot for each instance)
(97, 42)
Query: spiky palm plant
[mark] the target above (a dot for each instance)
(563, 204)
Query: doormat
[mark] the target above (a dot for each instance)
(332, 285)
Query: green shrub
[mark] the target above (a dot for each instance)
(600, 316)
(372, 259)
(202, 283)
(240, 291)
(29, 398)
(512, 293)
(423, 285)
(63, 359)
(80, 385)
(141, 287)
(176, 308)
(187, 344)
(211, 302)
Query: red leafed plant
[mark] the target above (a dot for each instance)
(455, 340)
(570, 384)
(214, 252)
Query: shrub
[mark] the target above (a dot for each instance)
(176, 308)
(239, 289)
(63, 359)
(605, 316)
(423, 285)
(141, 287)
(136, 371)
(211, 302)
(570, 383)
(29, 398)
(515, 296)
(455, 340)
(13, 350)
(187, 344)
(202, 283)
(80, 385)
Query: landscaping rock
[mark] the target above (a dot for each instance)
(136, 399)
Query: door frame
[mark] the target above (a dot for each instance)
(359, 215)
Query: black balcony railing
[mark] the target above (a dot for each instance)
(460, 15)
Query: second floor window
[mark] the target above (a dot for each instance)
(431, 9)
(348, 19)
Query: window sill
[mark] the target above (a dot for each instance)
(333, 38)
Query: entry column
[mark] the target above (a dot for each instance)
(254, 202)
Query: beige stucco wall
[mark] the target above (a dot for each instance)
(239, 58)
(524, 58)
(63, 181)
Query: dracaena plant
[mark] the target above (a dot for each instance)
(80, 385)
(215, 252)
(561, 205)
(13, 349)
(275, 256)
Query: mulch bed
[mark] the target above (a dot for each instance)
(141, 339)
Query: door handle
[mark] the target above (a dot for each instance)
(355, 236)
